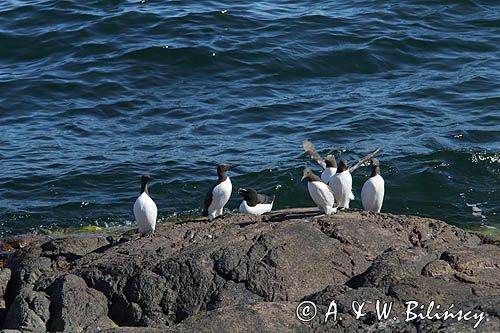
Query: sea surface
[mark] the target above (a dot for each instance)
(95, 93)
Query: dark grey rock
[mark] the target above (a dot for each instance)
(244, 273)
(392, 266)
(30, 311)
(75, 307)
(5, 274)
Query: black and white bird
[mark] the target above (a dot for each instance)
(320, 192)
(255, 203)
(145, 210)
(341, 182)
(219, 194)
(372, 193)
(341, 185)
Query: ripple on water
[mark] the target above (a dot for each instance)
(96, 93)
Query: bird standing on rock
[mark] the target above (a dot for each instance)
(320, 193)
(341, 185)
(372, 193)
(341, 181)
(145, 210)
(219, 194)
(255, 203)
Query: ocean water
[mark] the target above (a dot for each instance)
(95, 93)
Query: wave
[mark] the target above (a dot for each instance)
(96, 93)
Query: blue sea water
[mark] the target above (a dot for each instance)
(95, 93)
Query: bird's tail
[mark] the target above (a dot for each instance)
(364, 159)
(309, 149)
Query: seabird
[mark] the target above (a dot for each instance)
(320, 193)
(341, 182)
(341, 185)
(145, 210)
(219, 194)
(254, 203)
(372, 193)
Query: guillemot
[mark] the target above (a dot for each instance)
(341, 182)
(219, 194)
(320, 193)
(145, 210)
(341, 185)
(255, 203)
(372, 193)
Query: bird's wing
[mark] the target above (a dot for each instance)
(265, 199)
(309, 149)
(364, 159)
(208, 201)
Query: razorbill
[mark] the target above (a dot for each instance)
(254, 203)
(372, 193)
(145, 210)
(219, 194)
(341, 185)
(320, 192)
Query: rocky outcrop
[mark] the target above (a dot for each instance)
(248, 274)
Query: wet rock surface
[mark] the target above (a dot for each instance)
(242, 273)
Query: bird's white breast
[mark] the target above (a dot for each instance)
(341, 184)
(372, 193)
(145, 212)
(223, 190)
(258, 209)
(221, 194)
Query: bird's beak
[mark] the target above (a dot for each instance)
(233, 166)
(303, 177)
(241, 190)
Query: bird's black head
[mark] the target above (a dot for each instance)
(342, 166)
(309, 174)
(145, 179)
(330, 161)
(375, 167)
(225, 167)
(249, 194)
